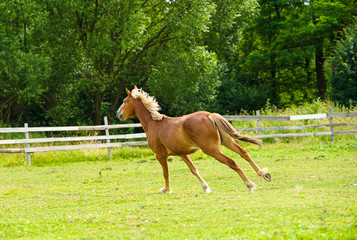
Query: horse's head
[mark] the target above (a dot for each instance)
(126, 110)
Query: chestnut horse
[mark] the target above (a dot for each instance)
(182, 136)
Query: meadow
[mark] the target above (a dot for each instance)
(84, 195)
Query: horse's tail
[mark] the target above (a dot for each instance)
(225, 127)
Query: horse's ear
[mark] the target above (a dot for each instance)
(135, 87)
(127, 91)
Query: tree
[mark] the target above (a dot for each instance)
(318, 27)
(23, 70)
(225, 38)
(185, 77)
(344, 69)
(89, 51)
(328, 18)
(121, 43)
(185, 82)
(286, 46)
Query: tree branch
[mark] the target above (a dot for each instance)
(151, 43)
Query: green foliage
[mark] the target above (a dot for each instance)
(236, 96)
(67, 62)
(225, 29)
(344, 69)
(24, 71)
(84, 54)
(193, 79)
(185, 77)
(285, 47)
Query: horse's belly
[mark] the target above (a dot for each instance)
(182, 151)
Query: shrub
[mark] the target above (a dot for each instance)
(344, 69)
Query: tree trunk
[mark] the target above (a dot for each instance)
(320, 74)
(319, 61)
(275, 85)
(97, 107)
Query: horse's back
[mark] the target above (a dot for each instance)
(197, 120)
(201, 129)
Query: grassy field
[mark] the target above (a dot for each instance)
(82, 195)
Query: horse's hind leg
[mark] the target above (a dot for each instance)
(188, 161)
(232, 164)
(231, 144)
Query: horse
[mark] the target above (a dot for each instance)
(182, 136)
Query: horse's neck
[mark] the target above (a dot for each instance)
(143, 114)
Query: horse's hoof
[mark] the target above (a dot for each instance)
(207, 190)
(251, 186)
(267, 177)
(164, 190)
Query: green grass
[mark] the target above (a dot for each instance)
(82, 195)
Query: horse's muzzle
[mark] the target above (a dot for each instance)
(120, 115)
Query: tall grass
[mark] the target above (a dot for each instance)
(65, 157)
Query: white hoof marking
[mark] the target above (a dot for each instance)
(207, 190)
(164, 190)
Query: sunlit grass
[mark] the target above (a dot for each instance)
(312, 196)
(82, 194)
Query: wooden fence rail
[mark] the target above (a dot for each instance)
(331, 115)
(104, 141)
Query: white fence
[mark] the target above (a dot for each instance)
(96, 141)
(137, 139)
(331, 115)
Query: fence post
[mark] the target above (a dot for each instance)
(258, 125)
(107, 134)
(331, 123)
(27, 136)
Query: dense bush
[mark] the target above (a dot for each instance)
(344, 69)
(236, 96)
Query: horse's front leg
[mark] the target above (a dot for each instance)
(188, 161)
(163, 161)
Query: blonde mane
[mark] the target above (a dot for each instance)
(149, 102)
